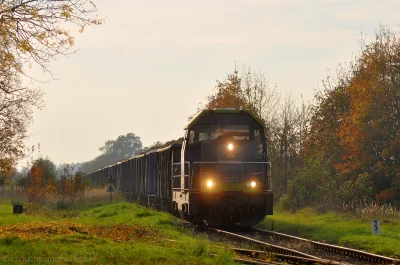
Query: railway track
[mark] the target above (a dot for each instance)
(353, 253)
(278, 253)
(258, 255)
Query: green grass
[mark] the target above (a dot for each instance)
(343, 229)
(157, 237)
(6, 216)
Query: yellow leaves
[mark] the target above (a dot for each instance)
(61, 32)
(118, 232)
(71, 41)
(34, 230)
(8, 56)
(25, 46)
(34, 12)
(66, 11)
(123, 232)
(41, 36)
(96, 21)
(38, 31)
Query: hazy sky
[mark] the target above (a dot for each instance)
(150, 65)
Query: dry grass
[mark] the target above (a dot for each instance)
(99, 195)
(54, 200)
(371, 209)
(16, 193)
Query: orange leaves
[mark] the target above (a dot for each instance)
(118, 232)
(361, 114)
(229, 93)
(34, 230)
(71, 187)
(123, 232)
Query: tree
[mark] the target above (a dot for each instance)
(370, 133)
(123, 147)
(16, 104)
(355, 123)
(288, 132)
(247, 89)
(71, 186)
(37, 29)
(32, 31)
(228, 93)
(259, 96)
(41, 179)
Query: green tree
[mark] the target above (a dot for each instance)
(123, 147)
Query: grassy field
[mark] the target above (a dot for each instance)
(127, 233)
(342, 229)
(100, 233)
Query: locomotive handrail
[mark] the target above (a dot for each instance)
(269, 176)
(229, 162)
(180, 175)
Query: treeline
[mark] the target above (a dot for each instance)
(124, 147)
(44, 187)
(352, 151)
(344, 146)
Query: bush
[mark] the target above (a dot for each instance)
(62, 205)
(16, 202)
(359, 190)
(314, 186)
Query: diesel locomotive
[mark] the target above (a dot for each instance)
(218, 173)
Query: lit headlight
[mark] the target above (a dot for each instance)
(210, 183)
(251, 184)
(230, 147)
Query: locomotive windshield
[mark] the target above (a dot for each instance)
(240, 133)
(212, 132)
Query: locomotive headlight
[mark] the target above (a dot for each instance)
(253, 184)
(210, 183)
(230, 147)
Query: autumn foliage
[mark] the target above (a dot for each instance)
(355, 124)
(37, 189)
(344, 147)
(43, 187)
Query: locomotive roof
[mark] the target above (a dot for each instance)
(222, 111)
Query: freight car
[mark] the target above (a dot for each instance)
(218, 173)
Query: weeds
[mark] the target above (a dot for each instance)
(371, 209)
(131, 234)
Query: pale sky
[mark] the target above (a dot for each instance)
(149, 66)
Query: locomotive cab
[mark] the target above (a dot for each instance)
(225, 172)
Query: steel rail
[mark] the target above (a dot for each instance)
(256, 262)
(353, 253)
(288, 257)
(289, 253)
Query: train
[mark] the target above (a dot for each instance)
(218, 173)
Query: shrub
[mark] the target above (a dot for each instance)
(16, 202)
(62, 205)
